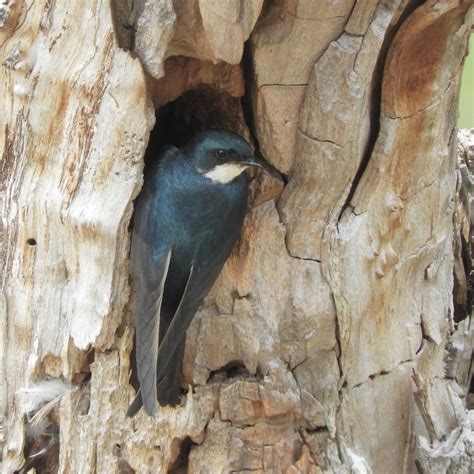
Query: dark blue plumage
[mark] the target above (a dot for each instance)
(187, 219)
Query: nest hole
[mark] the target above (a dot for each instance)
(195, 111)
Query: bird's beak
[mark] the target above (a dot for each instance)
(251, 161)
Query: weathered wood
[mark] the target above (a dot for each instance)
(449, 441)
(71, 165)
(322, 346)
(452, 455)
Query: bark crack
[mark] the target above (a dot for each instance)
(375, 106)
(301, 258)
(247, 108)
(303, 433)
(294, 15)
(309, 137)
(381, 373)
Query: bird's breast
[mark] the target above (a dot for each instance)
(197, 212)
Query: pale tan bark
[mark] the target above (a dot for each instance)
(322, 345)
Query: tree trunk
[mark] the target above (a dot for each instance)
(322, 346)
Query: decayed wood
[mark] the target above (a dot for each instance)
(452, 455)
(448, 444)
(302, 357)
(71, 165)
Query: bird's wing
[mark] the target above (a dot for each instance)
(147, 330)
(201, 278)
(205, 268)
(149, 265)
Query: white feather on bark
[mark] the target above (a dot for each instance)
(41, 394)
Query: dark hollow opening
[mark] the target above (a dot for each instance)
(194, 111)
(180, 466)
(233, 369)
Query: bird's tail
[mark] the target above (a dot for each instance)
(169, 382)
(135, 405)
(137, 401)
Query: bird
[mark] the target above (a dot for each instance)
(187, 219)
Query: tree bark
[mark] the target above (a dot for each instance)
(323, 345)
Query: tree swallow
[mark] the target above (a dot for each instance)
(187, 220)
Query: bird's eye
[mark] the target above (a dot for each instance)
(221, 154)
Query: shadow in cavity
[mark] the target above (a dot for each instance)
(194, 111)
(232, 370)
(180, 465)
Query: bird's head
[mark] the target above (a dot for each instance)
(220, 155)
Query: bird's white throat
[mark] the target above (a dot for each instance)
(225, 173)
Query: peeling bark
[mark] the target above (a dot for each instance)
(323, 345)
